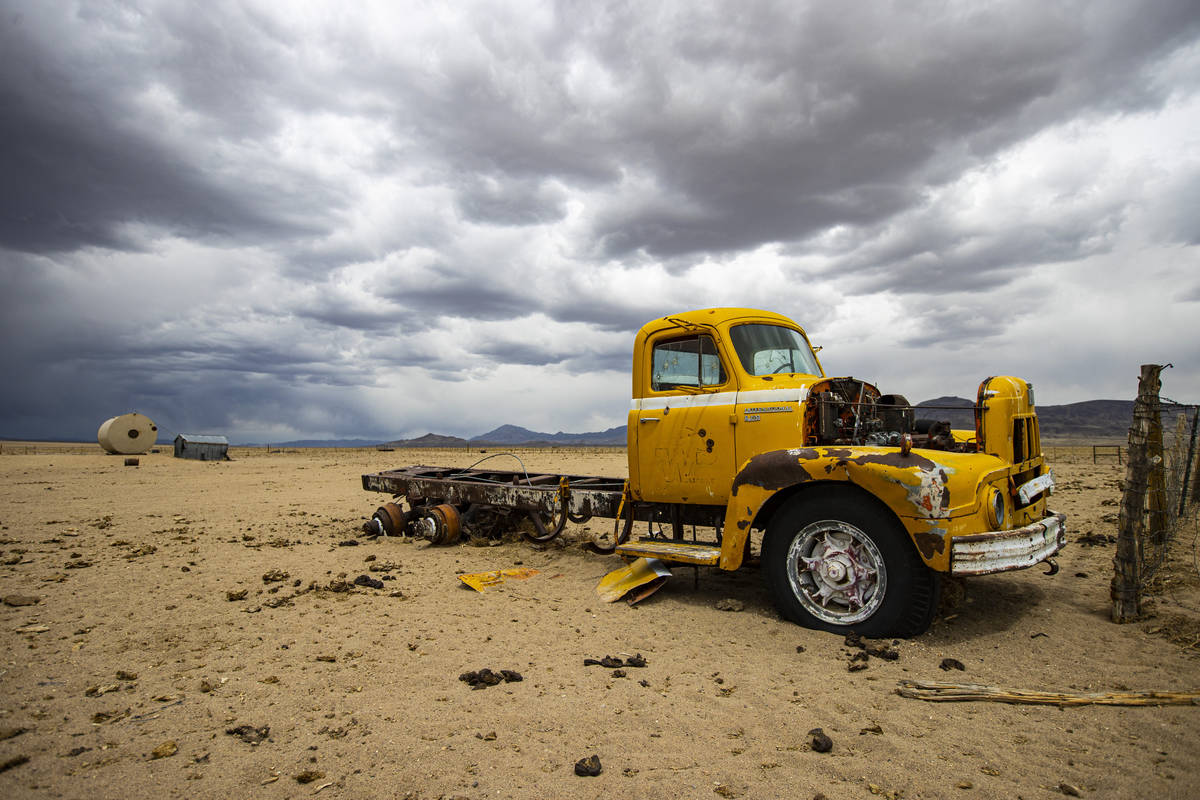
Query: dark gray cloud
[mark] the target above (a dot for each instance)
(265, 219)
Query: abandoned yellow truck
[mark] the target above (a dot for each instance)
(855, 508)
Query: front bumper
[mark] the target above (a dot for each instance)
(984, 553)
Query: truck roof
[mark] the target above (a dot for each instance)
(715, 316)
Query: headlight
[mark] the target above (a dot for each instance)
(997, 510)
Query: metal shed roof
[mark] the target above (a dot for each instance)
(193, 438)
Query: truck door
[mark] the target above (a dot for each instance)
(684, 423)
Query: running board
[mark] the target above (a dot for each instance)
(678, 552)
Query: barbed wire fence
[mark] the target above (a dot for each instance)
(1159, 499)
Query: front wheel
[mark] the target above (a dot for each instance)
(839, 562)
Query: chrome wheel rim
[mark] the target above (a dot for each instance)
(836, 572)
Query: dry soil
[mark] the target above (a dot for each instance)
(187, 629)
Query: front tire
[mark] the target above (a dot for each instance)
(839, 561)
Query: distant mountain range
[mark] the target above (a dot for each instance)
(1091, 419)
(514, 435)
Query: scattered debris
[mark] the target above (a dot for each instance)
(484, 678)
(611, 662)
(1090, 539)
(952, 663)
(588, 767)
(481, 580)
(348, 543)
(249, 734)
(876, 729)
(858, 660)
(367, 580)
(730, 604)
(235, 595)
(96, 691)
(275, 576)
(615, 662)
(165, 750)
(490, 736)
(327, 658)
(102, 717)
(635, 581)
(819, 742)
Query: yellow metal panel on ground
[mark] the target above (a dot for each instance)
(620, 582)
(481, 580)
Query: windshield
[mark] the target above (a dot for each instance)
(770, 349)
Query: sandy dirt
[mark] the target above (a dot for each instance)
(186, 642)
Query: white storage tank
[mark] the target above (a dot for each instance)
(128, 434)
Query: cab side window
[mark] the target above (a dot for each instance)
(687, 361)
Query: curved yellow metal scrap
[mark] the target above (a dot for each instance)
(934, 493)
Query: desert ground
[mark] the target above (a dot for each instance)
(192, 629)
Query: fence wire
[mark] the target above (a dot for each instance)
(1171, 511)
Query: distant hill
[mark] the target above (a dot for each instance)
(947, 409)
(512, 434)
(430, 440)
(1091, 419)
(516, 436)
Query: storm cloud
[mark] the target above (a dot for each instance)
(323, 221)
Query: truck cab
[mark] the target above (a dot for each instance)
(863, 507)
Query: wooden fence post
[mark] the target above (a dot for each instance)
(1186, 487)
(1127, 563)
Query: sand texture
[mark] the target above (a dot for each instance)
(192, 630)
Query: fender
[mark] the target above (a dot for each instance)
(921, 488)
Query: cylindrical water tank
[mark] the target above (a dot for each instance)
(128, 434)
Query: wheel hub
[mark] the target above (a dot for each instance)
(836, 570)
(840, 576)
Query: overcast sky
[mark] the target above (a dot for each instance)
(338, 219)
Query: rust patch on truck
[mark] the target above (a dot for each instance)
(775, 470)
(896, 460)
(929, 544)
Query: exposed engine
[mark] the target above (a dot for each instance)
(852, 412)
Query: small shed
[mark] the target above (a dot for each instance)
(202, 447)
